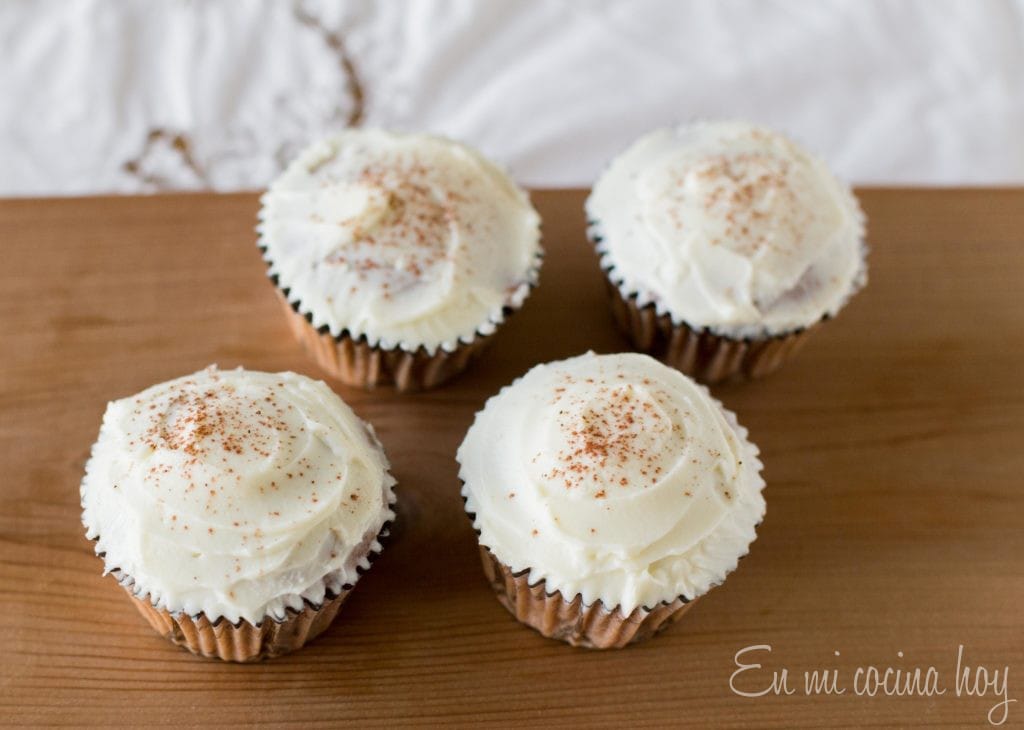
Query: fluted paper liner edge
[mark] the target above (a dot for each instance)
(358, 363)
(591, 627)
(243, 642)
(702, 354)
(361, 362)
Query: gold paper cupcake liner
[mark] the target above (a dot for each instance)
(702, 354)
(246, 641)
(242, 642)
(356, 362)
(591, 627)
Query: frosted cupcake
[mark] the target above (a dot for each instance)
(397, 255)
(609, 492)
(724, 245)
(237, 508)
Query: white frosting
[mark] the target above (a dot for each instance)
(235, 493)
(729, 226)
(614, 477)
(409, 240)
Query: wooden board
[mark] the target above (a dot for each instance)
(893, 452)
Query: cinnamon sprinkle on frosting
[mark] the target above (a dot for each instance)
(633, 486)
(253, 476)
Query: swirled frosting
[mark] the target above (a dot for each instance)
(409, 240)
(614, 477)
(728, 226)
(235, 493)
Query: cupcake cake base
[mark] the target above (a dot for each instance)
(590, 627)
(243, 642)
(357, 363)
(702, 354)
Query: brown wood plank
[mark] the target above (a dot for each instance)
(893, 452)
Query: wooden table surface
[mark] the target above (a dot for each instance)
(893, 445)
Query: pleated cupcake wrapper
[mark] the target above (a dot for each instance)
(244, 641)
(700, 353)
(571, 621)
(357, 361)
(591, 627)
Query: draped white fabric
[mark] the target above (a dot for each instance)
(127, 95)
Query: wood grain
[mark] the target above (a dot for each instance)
(892, 444)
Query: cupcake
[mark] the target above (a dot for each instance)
(236, 508)
(397, 256)
(724, 245)
(609, 492)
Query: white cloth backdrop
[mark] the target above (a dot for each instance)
(129, 95)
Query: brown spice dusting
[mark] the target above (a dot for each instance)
(738, 186)
(411, 239)
(604, 438)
